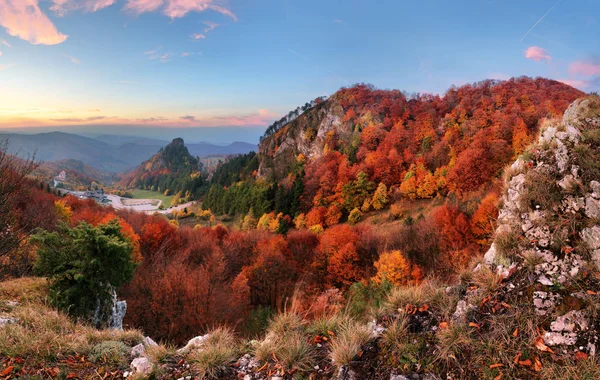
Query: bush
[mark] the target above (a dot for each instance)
(110, 351)
(85, 265)
(363, 298)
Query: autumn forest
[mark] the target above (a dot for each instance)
(398, 188)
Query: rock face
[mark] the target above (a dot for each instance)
(308, 135)
(549, 224)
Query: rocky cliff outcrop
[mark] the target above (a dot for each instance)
(308, 135)
(549, 227)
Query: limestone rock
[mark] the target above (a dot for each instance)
(569, 321)
(141, 366)
(345, 373)
(140, 349)
(592, 207)
(7, 321)
(560, 339)
(490, 255)
(595, 186)
(460, 314)
(194, 343)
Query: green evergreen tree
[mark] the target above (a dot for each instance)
(84, 265)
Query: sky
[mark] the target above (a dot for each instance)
(127, 66)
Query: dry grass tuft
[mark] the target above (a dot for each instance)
(347, 344)
(219, 351)
(486, 278)
(288, 340)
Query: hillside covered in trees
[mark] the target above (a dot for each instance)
(364, 151)
(173, 170)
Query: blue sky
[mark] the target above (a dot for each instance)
(190, 63)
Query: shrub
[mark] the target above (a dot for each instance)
(84, 266)
(364, 298)
(109, 351)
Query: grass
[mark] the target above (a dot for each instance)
(348, 343)
(220, 350)
(148, 194)
(42, 335)
(288, 342)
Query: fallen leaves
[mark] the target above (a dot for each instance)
(475, 325)
(7, 371)
(497, 365)
(413, 309)
(580, 355)
(541, 345)
(515, 333)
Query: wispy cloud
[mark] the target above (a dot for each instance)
(338, 21)
(25, 19)
(586, 68)
(188, 118)
(210, 26)
(159, 55)
(198, 36)
(94, 110)
(74, 60)
(538, 54)
(190, 53)
(580, 84)
(62, 7)
(5, 43)
(142, 6)
(540, 20)
(95, 118)
(176, 8)
(78, 120)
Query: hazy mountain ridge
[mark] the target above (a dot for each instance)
(124, 154)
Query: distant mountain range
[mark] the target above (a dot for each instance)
(109, 153)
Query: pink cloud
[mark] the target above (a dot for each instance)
(5, 43)
(176, 8)
(581, 84)
(198, 36)
(143, 6)
(74, 60)
(24, 19)
(61, 7)
(537, 54)
(585, 68)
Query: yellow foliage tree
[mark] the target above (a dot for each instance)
(408, 187)
(264, 221)
(249, 222)
(380, 198)
(300, 221)
(63, 210)
(394, 267)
